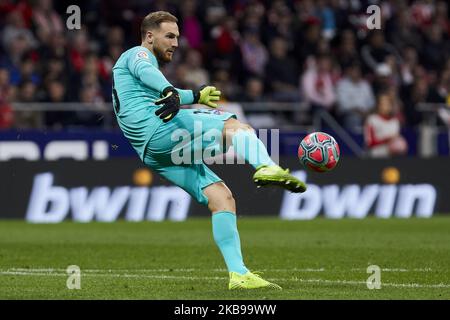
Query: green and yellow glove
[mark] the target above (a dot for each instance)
(207, 95)
(170, 102)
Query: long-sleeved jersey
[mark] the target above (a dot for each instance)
(137, 84)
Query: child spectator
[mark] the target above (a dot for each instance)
(382, 130)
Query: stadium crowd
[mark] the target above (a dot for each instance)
(320, 52)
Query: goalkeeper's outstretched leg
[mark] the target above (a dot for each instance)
(247, 145)
(223, 207)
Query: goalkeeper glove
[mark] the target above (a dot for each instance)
(171, 104)
(207, 95)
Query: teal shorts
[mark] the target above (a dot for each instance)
(176, 149)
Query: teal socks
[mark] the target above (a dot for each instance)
(247, 145)
(227, 239)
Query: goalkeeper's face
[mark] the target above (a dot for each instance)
(165, 41)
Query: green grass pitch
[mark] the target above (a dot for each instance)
(317, 259)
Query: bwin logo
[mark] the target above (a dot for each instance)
(355, 201)
(52, 204)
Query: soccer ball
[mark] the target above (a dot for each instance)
(319, 151)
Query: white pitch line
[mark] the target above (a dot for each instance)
(156, 270)
(398, 269)
(113, 275)
(386, 284)
(144, 276)
(218, 270)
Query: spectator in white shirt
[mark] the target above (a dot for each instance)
(355, 98)
(382, 130)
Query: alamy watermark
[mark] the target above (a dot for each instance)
(73, 22)
(374, 280)
(74, 277)
(210, 146)
(374, 20)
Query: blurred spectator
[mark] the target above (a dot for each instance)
(112, 49)
(197, 75)
(354, 98)
(323, 47)
(382, 130)
(254, 53)
(56, 48)
(279, 24)
(397, 103)
(26, 119)
(309, 36)
(46, 20)
(106, 64)
(56, 93)
(21, 6)
(410, 62)
(375, 53)
(190, 24)
(180, 75)
(347, 50)
(326, 15)
(79, 48)
(15, 27)
(306, 11)
(402, 32)
(252, 16)
(216, 19)
(436, 48)
(55, 71)
(6, 94)
(317, 84)
(413, 96)
(422, 13)
(225, 40)
(27, 92)
(444, 115)
(92, 74)
(415, 90)
(441, 92)
(90, 96)
(115, 37)
(253, 91)
(16, 51)
(230, 89)
(384, 78)
(28, 71)
(442, 17)
(281, 73)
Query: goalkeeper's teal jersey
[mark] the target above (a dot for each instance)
(137, 83)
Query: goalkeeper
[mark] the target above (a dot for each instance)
(147, 108)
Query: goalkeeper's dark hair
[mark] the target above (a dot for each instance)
(153, 21)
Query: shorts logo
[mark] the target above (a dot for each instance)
(142, 54)
(208, 111)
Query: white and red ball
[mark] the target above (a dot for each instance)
(319, 152)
